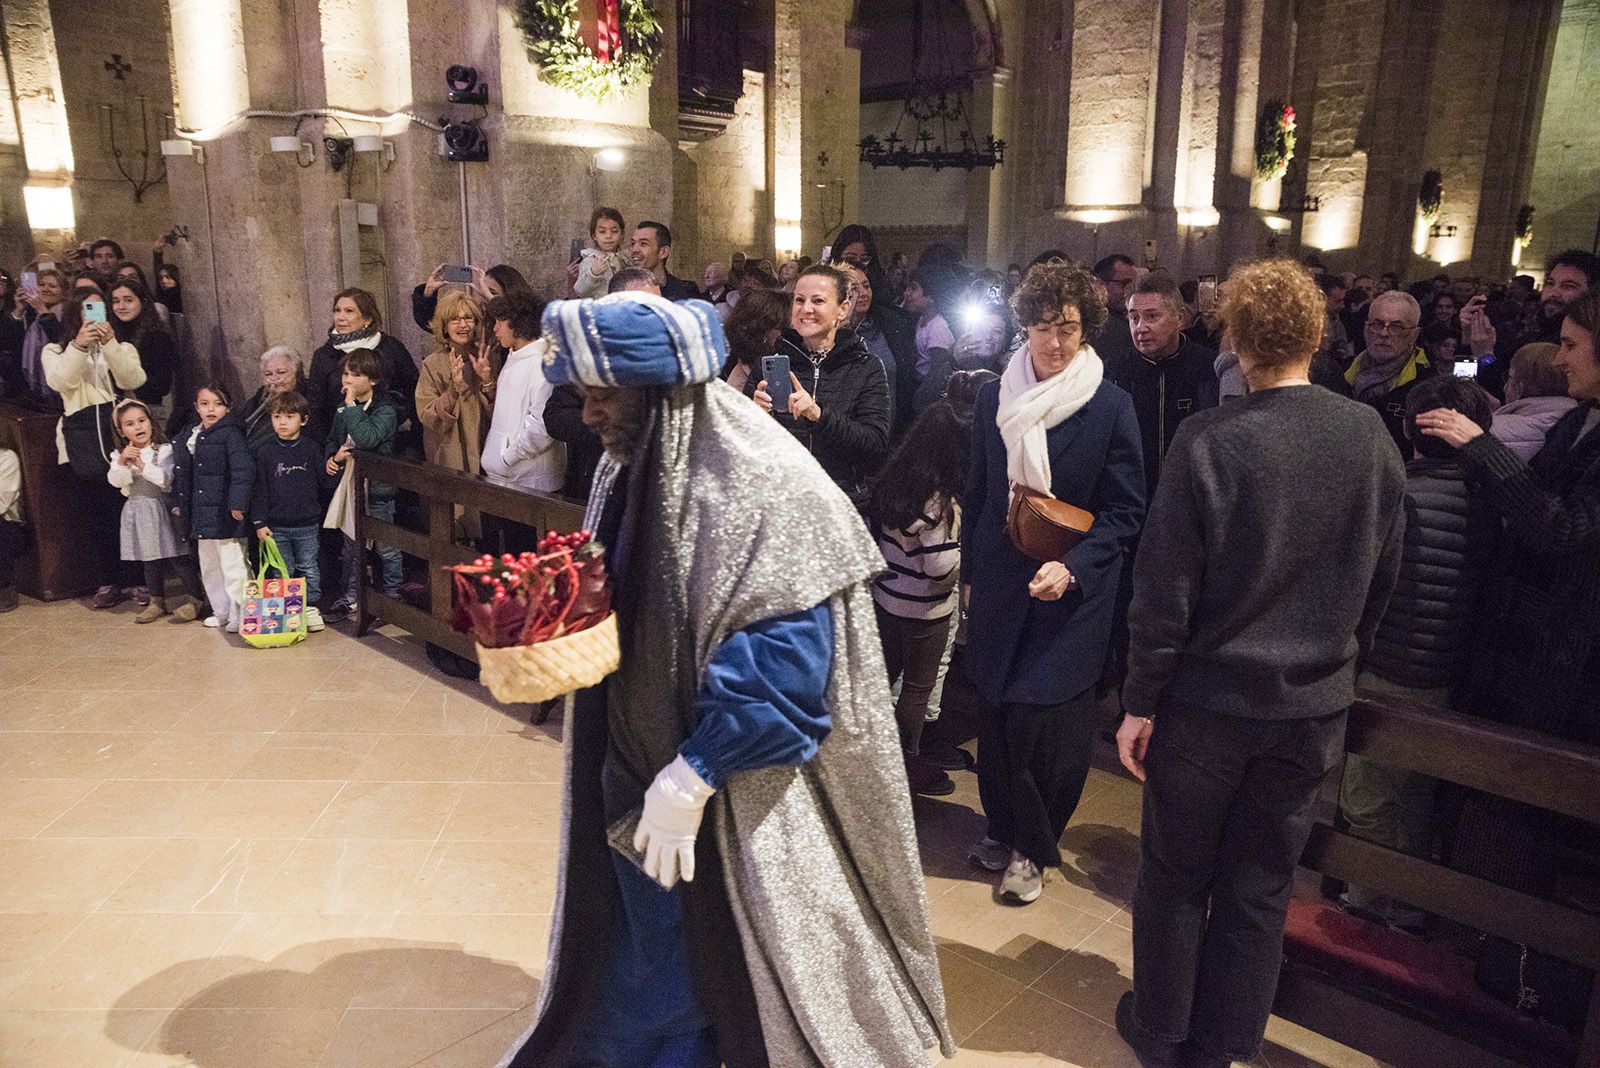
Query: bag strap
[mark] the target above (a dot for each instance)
(271, 558)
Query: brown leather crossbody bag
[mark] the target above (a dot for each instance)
(1043, 528)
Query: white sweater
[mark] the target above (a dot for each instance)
(519, 451)
(924, 564)
(157, 470)
(88, 378)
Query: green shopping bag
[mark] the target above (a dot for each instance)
(273, 610)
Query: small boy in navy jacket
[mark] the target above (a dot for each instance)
(286, 506)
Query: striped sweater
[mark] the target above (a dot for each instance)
(924, 563)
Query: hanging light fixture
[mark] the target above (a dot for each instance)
(935, 98)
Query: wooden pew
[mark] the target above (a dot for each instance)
(441, 491)
(1414, 1003)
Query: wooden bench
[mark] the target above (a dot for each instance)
(1410, 1002)
(441, 491)
(59, 560)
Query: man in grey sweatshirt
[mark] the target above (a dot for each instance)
(1270, 551)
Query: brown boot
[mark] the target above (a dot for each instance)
(185, 612)
(152, 611)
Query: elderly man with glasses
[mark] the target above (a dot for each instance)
(1383, 374)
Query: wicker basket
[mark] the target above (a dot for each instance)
(546, 670)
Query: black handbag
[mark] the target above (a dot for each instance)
(89, 439)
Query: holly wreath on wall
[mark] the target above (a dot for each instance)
(592, 47)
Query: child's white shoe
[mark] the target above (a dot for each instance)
(213, 622)
(314, 619)
(233, 626)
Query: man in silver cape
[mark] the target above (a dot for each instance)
(806, 928)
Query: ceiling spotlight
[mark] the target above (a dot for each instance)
(610, 159)
(464, 142)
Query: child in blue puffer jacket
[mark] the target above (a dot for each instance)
(211, 490)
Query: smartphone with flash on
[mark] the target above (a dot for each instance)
(94, 311)
(775, 370)
(1206, 294)
(459, 275)
(1467, 368)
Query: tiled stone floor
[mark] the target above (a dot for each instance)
(334, 855)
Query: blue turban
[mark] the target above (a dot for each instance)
(633, 339)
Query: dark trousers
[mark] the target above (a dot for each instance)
(1032, 763)
(912, 648)
(11, 541)
(1227, 810)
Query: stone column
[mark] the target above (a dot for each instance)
(1109, 114)
(813, 107)
(41, 113)
(1565, 185)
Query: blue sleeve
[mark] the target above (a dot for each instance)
(763, 702)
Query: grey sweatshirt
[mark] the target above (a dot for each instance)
(1270, 551)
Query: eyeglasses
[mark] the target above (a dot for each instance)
(464, 319)
(862, 260)
(1379, 326)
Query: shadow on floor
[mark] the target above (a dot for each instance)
(387, 1002)
(1105, 859)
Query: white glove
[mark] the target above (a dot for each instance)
(671, 819)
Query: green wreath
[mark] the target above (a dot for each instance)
(551, 30)
(1274, 140)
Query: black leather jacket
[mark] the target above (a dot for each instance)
(851, 440)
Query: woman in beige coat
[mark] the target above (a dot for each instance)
(455, 390)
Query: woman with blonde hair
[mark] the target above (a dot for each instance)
(455, 392)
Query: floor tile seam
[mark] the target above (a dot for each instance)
(22, 980)
(36, 835)
(155, 1033)
(987, 1020)
(1066, 1004)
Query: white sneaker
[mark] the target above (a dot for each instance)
(1022, 883)
(314, 619)
(213, 622)
(233, 626)
(990, 855)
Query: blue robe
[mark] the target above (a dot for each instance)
(762, 704)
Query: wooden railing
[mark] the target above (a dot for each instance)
(1535, 769)
(441, 491)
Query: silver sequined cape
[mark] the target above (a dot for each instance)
(733, 523)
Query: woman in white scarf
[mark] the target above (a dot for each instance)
(1053, 425)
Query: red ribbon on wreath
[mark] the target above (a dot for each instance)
(600, 26)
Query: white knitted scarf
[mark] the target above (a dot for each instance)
(1029, 407)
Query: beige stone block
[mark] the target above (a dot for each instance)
(65, 874)
(484, 877)
(415, 810)
(129, 808)
(251, 808)
(27, 806)
(52, 1039)
(344, 876)
(126, 961)
(524, 812)
(201, 875)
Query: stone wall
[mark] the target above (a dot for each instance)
(1566, 171)
(722, 184)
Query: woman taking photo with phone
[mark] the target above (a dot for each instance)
(135, 321)
(833, 394)
(1052, 426)
(90, 369)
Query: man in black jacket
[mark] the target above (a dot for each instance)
(1169, 377)
(650, 248)
(1118, 273)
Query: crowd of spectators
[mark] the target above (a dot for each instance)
(1442, 448)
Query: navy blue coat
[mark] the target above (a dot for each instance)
(1024, 650)
(214, 480)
